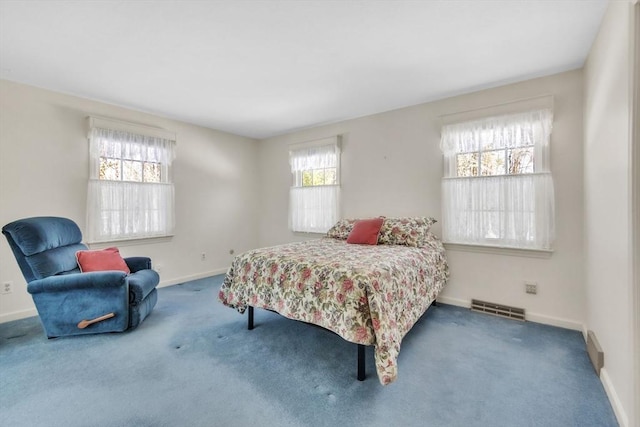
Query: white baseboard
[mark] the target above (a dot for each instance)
(454, 301)
(618, 409)
(171, 282)
(532, 317)
(17, 315)
(555, 321)
(31, 312)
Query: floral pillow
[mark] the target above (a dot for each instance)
(405, 231)
(341, 229)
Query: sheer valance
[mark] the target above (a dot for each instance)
(323, 154)
(531, 128)
(131, 146)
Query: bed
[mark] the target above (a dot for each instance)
(368, 294)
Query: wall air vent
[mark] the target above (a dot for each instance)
(497, 309)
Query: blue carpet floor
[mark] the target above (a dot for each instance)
(194, 363)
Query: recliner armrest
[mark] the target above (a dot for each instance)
(137, 263)
(67, 282)
(141, 284)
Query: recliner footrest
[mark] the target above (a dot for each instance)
(137, 313)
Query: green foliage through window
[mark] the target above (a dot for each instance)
(113, 169)
(316, 177)
(506, 161)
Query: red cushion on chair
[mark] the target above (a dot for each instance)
(101, 260)
(365, 231)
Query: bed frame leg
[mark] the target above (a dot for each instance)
(435, 303)
(361, 362)
(250, 318)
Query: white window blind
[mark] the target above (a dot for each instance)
(497, 188)
(130, 191)
(314, 195)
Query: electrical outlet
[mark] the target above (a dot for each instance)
(7, 288)
(531, 287)
(203, 256)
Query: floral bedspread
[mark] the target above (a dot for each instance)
(368, 295)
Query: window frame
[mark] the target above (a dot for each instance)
(297, 184)
(121, 173)
(540, 167)
(299, 177)
(153, 219)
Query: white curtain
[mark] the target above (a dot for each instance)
(314, 209)
(506, 210)
(512, 131)
(130, 146)
(118, 210)
(511, 211)
(314, 157)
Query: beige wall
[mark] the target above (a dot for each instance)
(392, 165)
(232, 193)
(607, 178)
(44, 171)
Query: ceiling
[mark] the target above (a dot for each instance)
(264, 68)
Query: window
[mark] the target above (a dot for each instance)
(314, 195)
(131, 193)
(497, 189)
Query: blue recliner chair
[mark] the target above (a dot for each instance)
(68, 301)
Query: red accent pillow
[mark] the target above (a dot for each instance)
(365, 231)
(101, 260)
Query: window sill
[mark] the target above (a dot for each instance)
(499, 250)
(130, 242)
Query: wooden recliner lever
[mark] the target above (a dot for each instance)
(84, 323)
